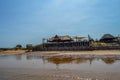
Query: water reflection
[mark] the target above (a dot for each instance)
(67, 60)
(72, 59)
(30, 57)
(18, 57)
(77, 65)
(83, 62)
(58, 60)
(109, 60)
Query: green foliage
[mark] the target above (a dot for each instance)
(19, 46)
(38, 47)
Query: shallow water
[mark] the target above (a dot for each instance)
(87, 67)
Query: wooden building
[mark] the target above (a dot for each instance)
(65, 43)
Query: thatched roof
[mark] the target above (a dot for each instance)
(107, 36)
(78, 37)
(60, 38)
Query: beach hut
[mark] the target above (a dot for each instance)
(107, 38)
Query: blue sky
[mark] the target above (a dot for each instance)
(28, 21)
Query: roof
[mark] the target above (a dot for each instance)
(107, 36)
(57, 38)
(78, 37)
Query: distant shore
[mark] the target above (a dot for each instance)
(94, 52)
(8, 52)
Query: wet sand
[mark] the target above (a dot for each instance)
(54, 74)
(77, 62)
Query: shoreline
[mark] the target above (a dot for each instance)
(11, 52)
(94, 52)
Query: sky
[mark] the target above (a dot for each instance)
(28, 21)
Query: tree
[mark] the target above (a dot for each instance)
(18, 46)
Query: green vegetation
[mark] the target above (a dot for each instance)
(38, 47)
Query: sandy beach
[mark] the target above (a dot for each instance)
(94, 52)
(41, 74)
(10, 52)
